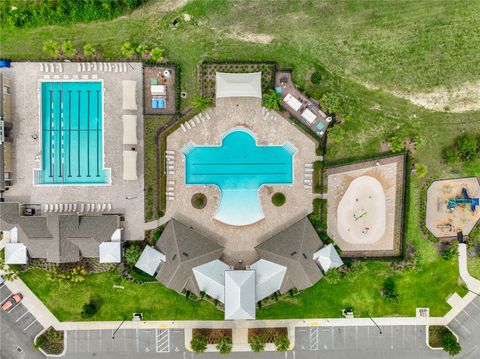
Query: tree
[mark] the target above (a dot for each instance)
(282, 343)
(127, 50)
(451, 156)
(89, 51)
(51, 48)
(336, 134)
(201, 103)
(142, 50)
(68, 49)
(396, 144)
(132, 254)
(90, 309)
(257, 343)
(450, 344)
(330, 102)
(272, 100)
(316, 78)
(390, 291)
(156, 54)
(199, 343)
(468, 147)
(224, 345)
(420, 169)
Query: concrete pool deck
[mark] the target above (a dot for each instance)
(126, 197)
(241, 113)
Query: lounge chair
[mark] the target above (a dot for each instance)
(170, 152)
(171, 173)
(171, 198)
(115, 68)
(197, 119)
(82, 207)
(99, 207)
(170, 189)
(192, 122)
(41, 67)
(188, 126)
(45, 208)
(183, 127)
(74, 207)
(125, 67)
(95, 66)
(52, 67)
(55, 207)
(104, 207)
(50, 207)
(207, 116)
(109, 207)
(60, 68)
(87, 207)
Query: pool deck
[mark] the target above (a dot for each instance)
(241, 113)
(126, 197)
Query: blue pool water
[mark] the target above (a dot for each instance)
(239, 167)
(72, 134)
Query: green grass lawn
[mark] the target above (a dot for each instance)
(153, 300)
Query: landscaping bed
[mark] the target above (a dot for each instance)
(51, 341)
(269, 334)
(213, 335)
(278, 199)
(199, 200)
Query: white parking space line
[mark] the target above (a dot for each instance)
(20, 317)
(88, 341)
(138, 343)
(475, 305)
(28, 326)
(468, 331)
(471, 317)
(76, 341)
(11, 310)
(124, 340)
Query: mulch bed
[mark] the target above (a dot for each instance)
(213, 335)
(199, 200)
(269, 333)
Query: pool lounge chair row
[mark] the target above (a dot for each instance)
(308, 175)
(170, 159)
(102, 66)
(51, 67)
(78, 208)
(197, 120)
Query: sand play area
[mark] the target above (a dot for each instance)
(365, 203)
(449, 206)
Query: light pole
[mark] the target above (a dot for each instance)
(116, 330)
(380, 329)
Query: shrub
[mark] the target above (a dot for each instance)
(396, 144)
(451, 156)
(127, 50)
(450, 344)
(224, 345)
(51, 341)
(156, 54)
(201, 103)
(68, 49)
(142, 50)
(156, 235)
(420, 169)
(282, 343)
(317, 165)
(278, 199)
(257, 343)
(271, 100)
(468, 147)
(390, 291)
(51, 47)
(199, 343)
(89, 51)
(90, 309)
(450, 252)
(316, 78)
(77, 275)
(132, 254)
(330, 102)
(336, 134)
(333, 276)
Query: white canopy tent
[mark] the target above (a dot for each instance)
(210, 278)
(15, 253)
(110, 252)
(149, 260)
(269, 278)
(309, 116)
(328, 258)
(158, 90)
(130, 165)
(129, 95)
(240, 294)
(129, 129)
(292, 102)
(238, 85)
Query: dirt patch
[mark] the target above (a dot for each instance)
(250, 37)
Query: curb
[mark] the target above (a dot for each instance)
(52, 355)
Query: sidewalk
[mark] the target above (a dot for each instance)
(156, 223)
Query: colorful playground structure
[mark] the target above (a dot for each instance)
(464, 200)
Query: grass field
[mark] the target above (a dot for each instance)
(356, 46)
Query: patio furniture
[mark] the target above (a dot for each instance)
(153, 81)
(292, 102)
(309, 116)
(158, 90)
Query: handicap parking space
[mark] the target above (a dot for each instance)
(352, 338)
(119, 341)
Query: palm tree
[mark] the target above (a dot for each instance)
(201, 103)
(51, 48)
(127, 50)
(68, 49)
(271, 100)
(156, 54)
(89, 51)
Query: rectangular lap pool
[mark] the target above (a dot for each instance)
(72, 134)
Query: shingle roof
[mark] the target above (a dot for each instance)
(293, 248)
(59, 238)
(184, 248)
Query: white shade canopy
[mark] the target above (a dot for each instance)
(15, 253)
(149, 260)
(158, 89)
(238, 85)
(130, 165)
(240, 294)
(328, 258)
(129, 129)
(129, 96)
(269, 278)
(110, 252)
(309, 116)
(210, 278)
(292, 102)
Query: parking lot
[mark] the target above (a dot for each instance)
(19, 317)
(467, 326)
(352, 338)
(121, 341)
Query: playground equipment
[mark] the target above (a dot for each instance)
(464, 200)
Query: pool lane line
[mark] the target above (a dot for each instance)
(50, 132)
(78, 142)
(88, 133)
(69, 133)
(98, 131)
(60, 132)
